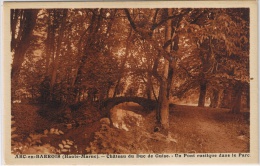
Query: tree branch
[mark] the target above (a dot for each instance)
(154, 26)
(130, 19)
(145, 35)
(188, 73)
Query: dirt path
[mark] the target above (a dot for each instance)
(220, 138)
(214, 131)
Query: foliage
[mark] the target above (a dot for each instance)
(32, 145)
(215, 45)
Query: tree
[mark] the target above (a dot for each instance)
(145, 30)
(22, 26)
(56, 55)
(163, 97)
(218, 36)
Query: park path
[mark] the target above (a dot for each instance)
(218, 130)
(220, 139)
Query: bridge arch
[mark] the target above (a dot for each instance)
(147, 104)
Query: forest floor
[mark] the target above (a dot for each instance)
(192, 130)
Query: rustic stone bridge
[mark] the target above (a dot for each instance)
(147, 104)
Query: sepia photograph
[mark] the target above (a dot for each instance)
(132, 80)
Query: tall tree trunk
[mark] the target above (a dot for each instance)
(164, 103)
(58, 51)
(203, 90)
(49, 44)
(175, 48)
(236, 99)
(14, 22)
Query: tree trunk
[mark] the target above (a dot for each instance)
(49, 45)
(226, 98)
(21, 44)
(175, 47)
(164, 103)
(164, 106)
(116, 87)
(236, 99)
(203, 90)
(169, 81)
(158, 110)
(58, 51)
(214, 100)
(149, 86)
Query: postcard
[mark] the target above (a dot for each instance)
(152, 82)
